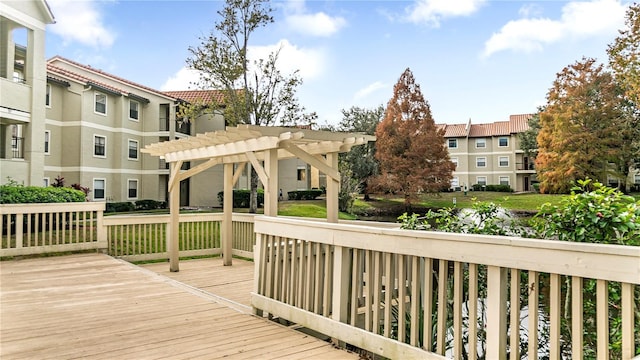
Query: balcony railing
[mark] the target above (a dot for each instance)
(525, 166)
(17, 147)
(183, 127)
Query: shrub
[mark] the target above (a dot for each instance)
(120, 207)
(241, 198)
(12, 194)
(496, 188)
(304, 194)
(148, 204)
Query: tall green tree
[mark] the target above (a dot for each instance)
(361, 160)
(580, 127)
(255, 92)
(528, 138)
(410, 148)
(624, 55)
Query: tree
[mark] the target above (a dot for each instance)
(624, 55)
(528, 138)
(581, 127)
(410, 148)
(254, 93)
(361, 160)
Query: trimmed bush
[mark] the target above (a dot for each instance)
(241, 198)
(12, 194)
(148, 204)
(496, 188)
(304, 194)
(124, 206)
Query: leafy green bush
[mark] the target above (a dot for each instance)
(124, 206)
(592, 213)
(496, 188)
(18, 194)
(304, 194)
(148, 204)
(241, 198)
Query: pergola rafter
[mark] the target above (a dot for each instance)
(261, 147)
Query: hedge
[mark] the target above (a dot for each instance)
(496, 188)
(304, 194)
(11, 194)
(241, 198)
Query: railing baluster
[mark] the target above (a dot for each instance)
(443, 269)
(328, 279)
(402, 293)
(415, 300)
(368, 291)
(554, 316)
(377, 291)
(388, 291)
(473, 311)
(427, 304)
(576, 317)
(602, 316)
(514, 307)
(534, 292)
(457, 309)
(627, 321)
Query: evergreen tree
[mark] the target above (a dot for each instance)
(409, 146)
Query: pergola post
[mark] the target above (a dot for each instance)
(271, 187)
(227, 217)
(173, 247)
(333, 188)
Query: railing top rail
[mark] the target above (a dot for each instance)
(601, 261)
(51, 207)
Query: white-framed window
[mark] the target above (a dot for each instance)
(504, 180)
(99, 146)
(503, 161)
(455, 161)
(46, 182)
(134, 110)
(481, 180)
(47, 96)
(99, 186)
(47, 142)
(100, 106)
(133, 150)
(452, 143)
(503, 141)
(302, 174)
(636, 179)
(132, 188)
(481, 161)
(455, 182)
(613, 182)
(481, 143)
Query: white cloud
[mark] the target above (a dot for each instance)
(80, 21)
(432, 11)
(299, 19)
(578, 19)
(368, 90)
(184, 79)
(310, 63)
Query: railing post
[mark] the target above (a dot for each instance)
(496, 313)
(101, 229)
(341, 280)
(19, 230)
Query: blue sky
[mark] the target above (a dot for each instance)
(474, 59)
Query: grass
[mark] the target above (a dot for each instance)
(308, 208)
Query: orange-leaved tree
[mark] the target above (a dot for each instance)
(409, 146)
(582, 127)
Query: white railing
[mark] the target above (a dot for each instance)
(28, 229)
(408, 294)
(143, 237)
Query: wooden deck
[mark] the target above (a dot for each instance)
(94, 306)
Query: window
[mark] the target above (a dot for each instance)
(133, 110)
(99, 146)
(481, 162)
(133, 150)
(503, 141)
(504, 180)
(455, 182)
(98, 189)
(47, 142)
(132, 189)
(453, 143)
(100, 104)
(47, 96)
(302, 174)
(636, 179)
(503, 161)
(613, 182)
(481, 180)
(455, 162)
(45, 182)
(481, 143)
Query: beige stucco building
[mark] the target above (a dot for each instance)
(490, 154)
(22, 88)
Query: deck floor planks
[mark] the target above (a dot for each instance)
(94, 306)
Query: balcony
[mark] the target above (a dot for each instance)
(183, 127)
(525, 167)
(16, 97)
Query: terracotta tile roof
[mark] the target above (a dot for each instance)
(52, 69)
(192, 96)
(111, 76)
(516, 124)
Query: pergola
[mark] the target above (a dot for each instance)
(261, 147)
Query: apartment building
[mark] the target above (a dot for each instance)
(22, 90)
(490, 154)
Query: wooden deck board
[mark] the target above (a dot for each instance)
(93, 306)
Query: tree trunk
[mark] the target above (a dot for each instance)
(253, 198)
